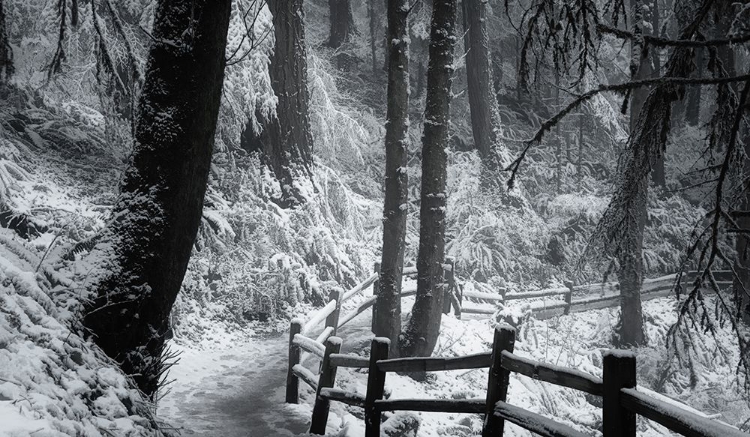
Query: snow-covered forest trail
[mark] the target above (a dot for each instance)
(233, 391)
(238, 389)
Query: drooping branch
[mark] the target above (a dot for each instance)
(666, 42)
(514, 166)
(55, 65)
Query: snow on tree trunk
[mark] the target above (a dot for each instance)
(625, 218)
(388, 313)
(424, 326)
(482, 100)
(342, 22)
(630, 256)
(156, 218)
(286, 142)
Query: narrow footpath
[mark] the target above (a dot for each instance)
(232, 392)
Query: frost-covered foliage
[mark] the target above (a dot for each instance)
(52, 380)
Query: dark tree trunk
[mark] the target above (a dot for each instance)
(482, 100)
(630, 257)
(373, 15)
(388, 312)
(659, 173)
(159, 210)
(693, 102)
(342, 22)
(424, 326)
(286, 143)
(6, 52)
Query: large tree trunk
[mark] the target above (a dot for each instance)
(424, 326)
(342, 22)
(388, 312)
(159, 210)
(630, 257)
(482, 100)
(286, 142)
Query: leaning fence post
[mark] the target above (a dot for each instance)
(568, 297)
(619, 373)
(447, 285)
(292, 382)
(458, 294)
(375, 386)
(326, 380)
(375, 292)
(497, 386)
(333, 318)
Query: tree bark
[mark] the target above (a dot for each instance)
(371, 12)
(286, 143)
(630, 256)
(342, 22)
(160, 207)
(423, 329)
(693, 101)
(388, 312)
(659, 173)
(6, 52)
(482, 99)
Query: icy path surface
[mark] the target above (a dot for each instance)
(234, 391)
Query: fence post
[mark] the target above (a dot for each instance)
(326, 380)
(458, 293)
(568, 297)
(375, 386)
(292, 382)
(447, 285)
(619, 373)
(333, 318)
(375, 292)
(497, 386)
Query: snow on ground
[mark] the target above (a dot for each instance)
(237, 389)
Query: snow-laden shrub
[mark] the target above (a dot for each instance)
(52, 381)
(490, 233)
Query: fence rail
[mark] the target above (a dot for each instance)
(621, 401)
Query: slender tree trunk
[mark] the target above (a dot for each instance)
(388, 312)
(422, 332)
(659, 173)
(286, 142)
(630, 257)
(342, 22)
(372, 13)
(558, 138)
(482, 99)
(6, 52)
(693, 102)
(159, 210)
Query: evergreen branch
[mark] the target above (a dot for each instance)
(666, 42)
(621, 87)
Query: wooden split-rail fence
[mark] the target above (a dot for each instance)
(621, 401)
(595, 296)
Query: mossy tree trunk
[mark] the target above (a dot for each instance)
(388, 312)
(159, 210)
(423, 329)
